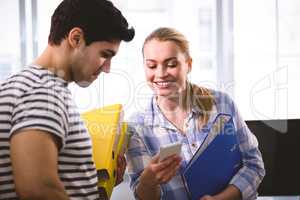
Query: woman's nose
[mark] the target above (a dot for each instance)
(160, 71)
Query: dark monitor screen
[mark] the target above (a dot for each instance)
(279, 142)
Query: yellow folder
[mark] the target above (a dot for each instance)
(109, 139)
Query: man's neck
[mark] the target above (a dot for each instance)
(55, 59)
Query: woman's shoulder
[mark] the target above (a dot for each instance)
(220, 96)
(137, 117)
(142, 114)
(223, 101)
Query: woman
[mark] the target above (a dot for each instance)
(180, 111)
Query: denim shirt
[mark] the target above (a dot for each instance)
(149, 130)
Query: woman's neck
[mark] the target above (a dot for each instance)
(168, 104)
(174, 111)
(175, 102)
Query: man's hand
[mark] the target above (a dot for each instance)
(121, 166)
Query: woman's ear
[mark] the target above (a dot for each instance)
(189, 62)
(75, 37)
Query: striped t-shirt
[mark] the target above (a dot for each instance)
(35, 98)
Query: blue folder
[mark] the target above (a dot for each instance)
(216, 161)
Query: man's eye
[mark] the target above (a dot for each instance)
(105, 55)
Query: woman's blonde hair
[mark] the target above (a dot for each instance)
(197, 97)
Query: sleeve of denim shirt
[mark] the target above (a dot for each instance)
(138, 157)
(251, 174)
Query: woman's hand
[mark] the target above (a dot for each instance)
(207, 197)
(159, 172)
(230, 193)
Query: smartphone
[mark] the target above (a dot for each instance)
(169, 150)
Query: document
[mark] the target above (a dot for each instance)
(216, 161)
(109, 139)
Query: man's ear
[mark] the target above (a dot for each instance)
(75, 37)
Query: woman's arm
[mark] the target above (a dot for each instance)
(147, 173)
(230, 193)
(156, 173)
(251, 174)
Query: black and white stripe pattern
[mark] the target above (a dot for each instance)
(37, 99)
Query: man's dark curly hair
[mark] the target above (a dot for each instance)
(100, 20)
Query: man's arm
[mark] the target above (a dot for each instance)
(34, 156)
(121, 167)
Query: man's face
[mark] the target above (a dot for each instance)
(89, 61)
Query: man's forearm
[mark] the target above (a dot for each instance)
(55, 194)
(148, 192)
(55, 191)
(46, 192)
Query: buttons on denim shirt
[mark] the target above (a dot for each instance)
(194, 145)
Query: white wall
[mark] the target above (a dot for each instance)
(266, 58)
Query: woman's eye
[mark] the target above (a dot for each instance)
(151, 66)
(172, 64)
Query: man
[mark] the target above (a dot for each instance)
(45, 150)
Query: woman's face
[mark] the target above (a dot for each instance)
(166, 67)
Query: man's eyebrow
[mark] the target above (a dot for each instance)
(111, 52)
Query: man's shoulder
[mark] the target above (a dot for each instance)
(31, 79)
(17, 84)
(27, 78)
(32, 87)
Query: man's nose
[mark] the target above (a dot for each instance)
(106, 66)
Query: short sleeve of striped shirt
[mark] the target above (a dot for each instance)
(42, 109)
